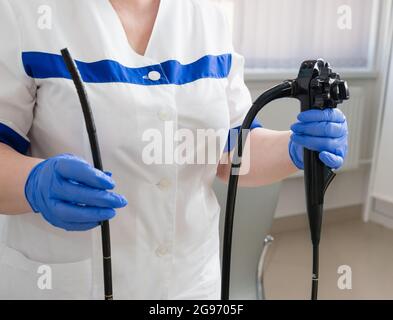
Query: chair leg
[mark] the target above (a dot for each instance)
(261, 266)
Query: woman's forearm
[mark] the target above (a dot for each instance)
(268, 162)
(14, 170)
(265, 159)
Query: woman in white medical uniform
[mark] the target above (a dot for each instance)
(154, 65)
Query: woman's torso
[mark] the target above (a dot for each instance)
(165, 243)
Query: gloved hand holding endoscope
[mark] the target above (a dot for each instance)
(319, 144)
(70, 194)
(324, 131)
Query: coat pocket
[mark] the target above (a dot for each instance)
(25, 279)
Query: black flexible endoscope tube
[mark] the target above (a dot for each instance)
(280, 91)
(315, 272)
(96, 154)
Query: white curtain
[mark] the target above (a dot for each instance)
(279, 34)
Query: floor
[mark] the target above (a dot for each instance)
(366, 248)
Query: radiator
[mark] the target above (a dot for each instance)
(354, 110)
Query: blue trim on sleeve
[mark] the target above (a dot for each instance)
(234, 133)
(13, 139)
(41, 65)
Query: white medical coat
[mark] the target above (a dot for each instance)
(165, 243)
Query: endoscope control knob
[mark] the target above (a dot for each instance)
(344, 90)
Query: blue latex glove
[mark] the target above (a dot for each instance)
(70, 194)
(325, 131)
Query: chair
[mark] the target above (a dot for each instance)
(255, 208)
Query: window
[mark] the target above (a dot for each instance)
(280, 34)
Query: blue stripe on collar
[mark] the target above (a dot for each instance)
(41, 65)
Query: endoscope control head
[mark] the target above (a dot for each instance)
(318, 87)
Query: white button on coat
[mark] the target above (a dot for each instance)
(164, 115)
(164, 184)
(162, 251)
(154, 75)
(205, 90)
